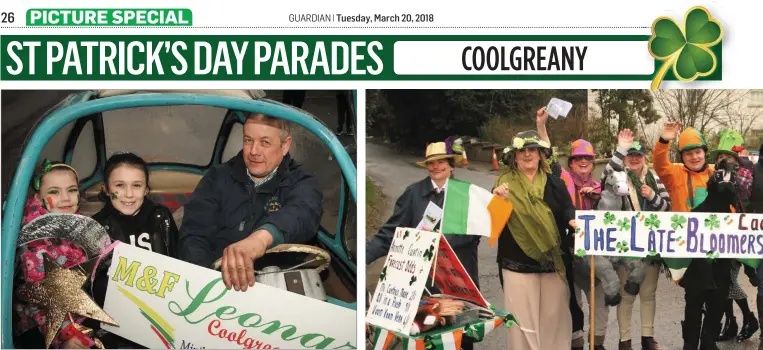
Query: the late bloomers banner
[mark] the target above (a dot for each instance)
(669, 234)
(164, 303)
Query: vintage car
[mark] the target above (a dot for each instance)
(181, 134)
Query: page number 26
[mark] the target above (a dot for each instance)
(6, 17)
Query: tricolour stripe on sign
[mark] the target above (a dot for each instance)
(413, 344)
(449, 341)
(382, 339)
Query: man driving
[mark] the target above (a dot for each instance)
(255, 201)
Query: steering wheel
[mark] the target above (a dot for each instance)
(289, 257)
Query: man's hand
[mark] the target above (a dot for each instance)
(625, 139)
(670, 130)
(238, 259)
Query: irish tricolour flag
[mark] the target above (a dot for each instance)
(473, 210)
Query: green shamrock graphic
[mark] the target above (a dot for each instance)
(429, 253)
(677, 221)
(114, 195)
(712, 222)
(622, 247)
(624, 224)
(652, 222)
(687, 49)
(406, 234)
(413, 280)
(713, 255)
(383, 274)
(609, 218)
(699, 196)
(580, 253)
(652, 253)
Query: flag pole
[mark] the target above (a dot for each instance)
(591, 302)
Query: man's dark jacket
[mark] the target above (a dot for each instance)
(409, 210)
(226, 208)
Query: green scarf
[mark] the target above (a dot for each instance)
(532, 223)
(636, 181)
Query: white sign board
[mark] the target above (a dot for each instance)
(669, 234)
(164, 303)
(401, 284)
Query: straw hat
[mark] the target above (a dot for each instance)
(437, 151)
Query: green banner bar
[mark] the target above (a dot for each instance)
(257, 57)
(125, 17)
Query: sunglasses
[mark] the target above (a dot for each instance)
(586, 158)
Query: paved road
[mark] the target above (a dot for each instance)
(393, 172)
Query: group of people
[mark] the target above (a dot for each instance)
(255, 201)
(535, 249)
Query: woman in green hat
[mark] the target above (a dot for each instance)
(534, 253)
(645, 193)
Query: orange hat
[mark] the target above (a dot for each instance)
(690, 139)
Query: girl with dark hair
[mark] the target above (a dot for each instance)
(128, 215)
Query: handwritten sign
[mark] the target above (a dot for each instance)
(409, 261)
(452, 279)
(160, 302)
(671, 235)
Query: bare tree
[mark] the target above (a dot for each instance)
(742, 118)
(702, 109)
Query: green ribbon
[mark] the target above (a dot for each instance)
(46, 167)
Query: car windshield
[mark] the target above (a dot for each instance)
(177, 134)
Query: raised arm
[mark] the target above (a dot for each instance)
(662, 165)
(541, 117)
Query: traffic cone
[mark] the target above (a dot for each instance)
(495, 161)
(463, 153)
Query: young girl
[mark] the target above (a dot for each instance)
(128, 215)
(56, 190)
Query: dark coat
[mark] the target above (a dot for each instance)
(153, 226)
(409, 210)
(710, 274)
(226, 208)
(756, 196)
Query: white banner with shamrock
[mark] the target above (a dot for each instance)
(669, 234)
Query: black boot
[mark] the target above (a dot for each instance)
(730, 329)
(749, 327)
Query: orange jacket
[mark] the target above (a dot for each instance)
(676, 177)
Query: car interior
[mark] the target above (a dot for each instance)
(180, 143)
